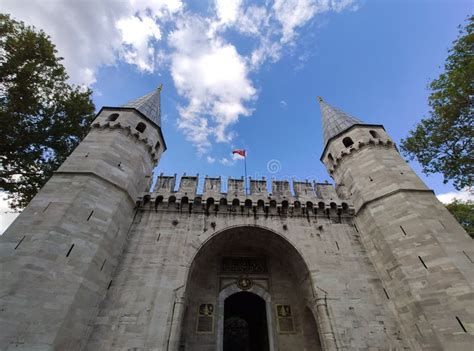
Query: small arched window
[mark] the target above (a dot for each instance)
(273, 203)
(197, 201)
(171, 200)
(345, 206)
(330, 157)
(297, 204)
(157, 145)
(146, 199)
(235, 202)
(321, 205)
(374, 134)
(210, 202)
(333, 205)
(223, 201)
(184, 200)
(112, 117)
(261, 203)
(309, 206)
(284, 204)
(248, 203)
(158, 201)
(141, 127)
(347, 142)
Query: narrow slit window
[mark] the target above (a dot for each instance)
(21, 240)
(90, 215)
(468, 257)
(403, 230)
(70, 249)
(49, 203)
(422, 262)
(103, 264)
(462, 325)
(386, 294)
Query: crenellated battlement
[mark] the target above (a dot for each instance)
(306, 197)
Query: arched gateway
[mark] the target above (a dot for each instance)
(96, 262)
(249, 289)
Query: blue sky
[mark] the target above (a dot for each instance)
(246, 74)
(373, 62)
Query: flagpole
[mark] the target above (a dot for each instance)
(245, 165)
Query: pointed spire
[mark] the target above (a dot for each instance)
(149, 105)
(334, 120)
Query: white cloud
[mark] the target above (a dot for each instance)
(226, 161)
(292, 14)
(227, 10)
(283, 103)
(136, 35)
(208, 71)
(210, 159)
(463, 195)
(213, 77)
(86, 33)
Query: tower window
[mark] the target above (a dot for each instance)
(157, 145)
(347, 142)
(374, 134)
(141, 127)
(112, 117)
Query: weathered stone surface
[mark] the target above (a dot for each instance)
(97, 263)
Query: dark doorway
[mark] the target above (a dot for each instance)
(245, 323)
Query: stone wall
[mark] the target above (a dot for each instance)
(170, 264)
(58, 256)
(423, 256)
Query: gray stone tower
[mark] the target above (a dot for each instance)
(58, 257)
(422, 255)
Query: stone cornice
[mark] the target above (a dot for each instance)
(401, 190)
(134, 134)
(357, 147)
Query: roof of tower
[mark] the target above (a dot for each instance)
(334, 120)
(149, 105)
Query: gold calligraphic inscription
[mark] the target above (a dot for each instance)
(205, 318)
(244, 283)
(285, 319)
(206, 309)
(244, 265)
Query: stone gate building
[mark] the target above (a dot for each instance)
(95, 262)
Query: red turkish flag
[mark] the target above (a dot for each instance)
(239, 152)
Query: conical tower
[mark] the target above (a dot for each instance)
(422, 255)
(58, 257)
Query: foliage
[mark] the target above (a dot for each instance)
(444, 142)
(464, 213)
(42, 117)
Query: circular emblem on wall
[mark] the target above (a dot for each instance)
(244, 283)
